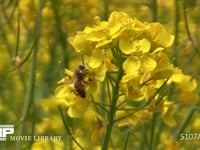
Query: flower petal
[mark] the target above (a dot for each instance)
(100, 73)
(159, 35)
(147, 63)
(167, 114)
(62, 91)
(96, 59)
(125, 45)
(142, 45)
(81, 44)
(79, 108)
(131, 65)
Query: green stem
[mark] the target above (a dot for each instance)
(68, 128)
(154, 10)
(112, 110)
(176, 29)
(196, 49)
(30, 92)
(144, 140)
(157, 135)
(33, 117)
(18, 33)
(184, 123)
(126, 141)
(106, 9)
(151, 147)
(62, 35)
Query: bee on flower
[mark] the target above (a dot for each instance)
(75, 89)
(78, 80)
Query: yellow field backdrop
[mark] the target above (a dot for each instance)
(100, 74)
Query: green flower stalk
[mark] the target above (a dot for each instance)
(113, 105)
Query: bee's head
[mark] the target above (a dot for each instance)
(81, 71)
(82, 67)
(84, 73)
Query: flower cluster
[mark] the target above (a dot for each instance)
(132, 50)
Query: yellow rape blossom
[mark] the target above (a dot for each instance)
(167, 113)
(133, 65)
(138, 61)
(101, 34)
(132, 89)
(77, 105)
(137, 46)
(133, 117)
(99, 129)
(185, 87)
(164, 68)
(81, 44)
(159, 35)
(184, 82)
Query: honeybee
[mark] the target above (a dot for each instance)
(78, 80)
